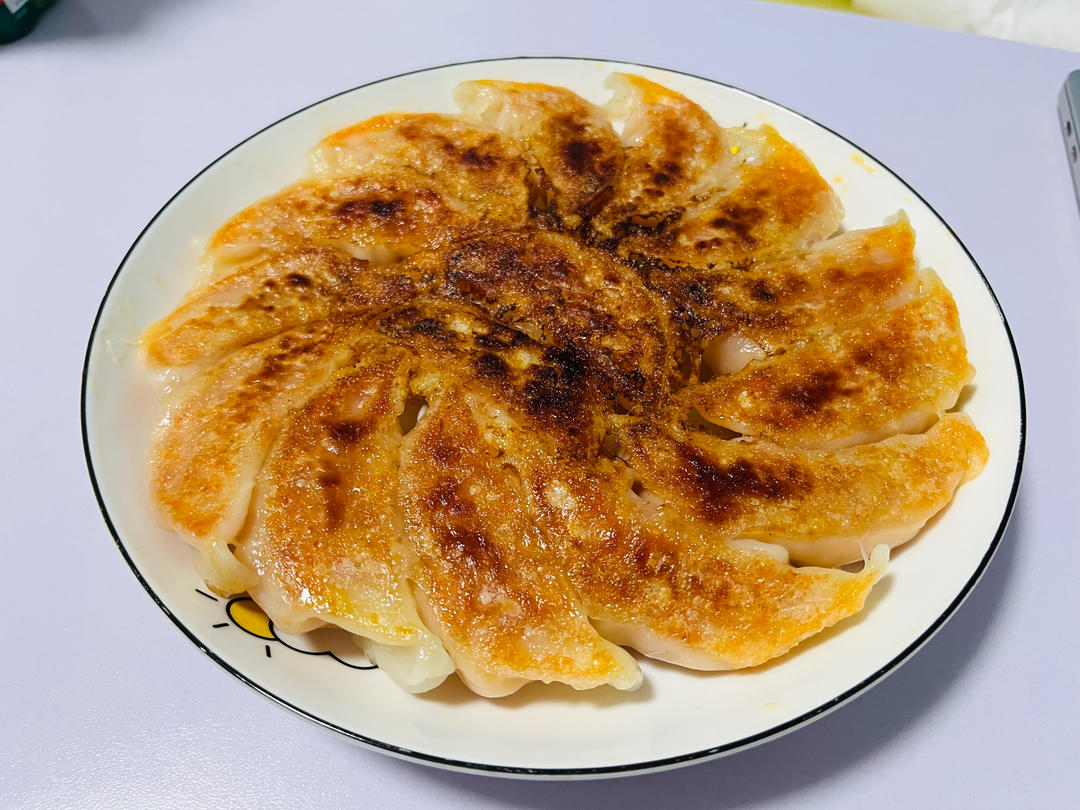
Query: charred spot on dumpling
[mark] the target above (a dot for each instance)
(471, 547)
(737, 222)
(350, 431)
(386, 208)
(491, 365)
(334, 500)
(558, 387)
(581, 157)
(378, 208)
(474, 158)
(589, 160)
(814, 390)
(649, 266)
(296, 280)
(444, 497)
(649, 223)
(500, 339)
(721, 490)
(668, 173)
(428, 326)
(410, 323)
(276, 364)
(569, 362)
(761, 292)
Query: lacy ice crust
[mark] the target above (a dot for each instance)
(503, 392)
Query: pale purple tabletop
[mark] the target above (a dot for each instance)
(111, 105)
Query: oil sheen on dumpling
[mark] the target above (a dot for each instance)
(471, 163)
(668, 585)
(572, 148)
(824, 507)
(893, 372)
(273, 291)
(208, 449)
(732, 315)
(573, 297)
(693, 192)
(505, 392)
(325, 556)
(487, 584)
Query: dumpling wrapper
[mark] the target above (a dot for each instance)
(733, 315)
(272, 291)
(826, 507)
(570, 296)
(693, 192)
(208, 449)
(572, 149)
(667, 584)
(485, 581)
(323, 553)
(471, 163)
(894, 372)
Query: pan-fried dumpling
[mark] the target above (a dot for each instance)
(379, 216)
(571, 146)
(486, 583)
(695, 193)
(274, 291)
(208, 449)
(731, 315)
(669, 585)
(502, 393)
(324, 556)
(551, 389)
(891, 373)
(570, 296)
(471, 163)
(824, 507)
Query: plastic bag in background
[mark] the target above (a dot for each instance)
(1055, 23)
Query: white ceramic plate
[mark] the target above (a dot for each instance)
(678, 716)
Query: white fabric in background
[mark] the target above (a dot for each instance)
(1055, 23)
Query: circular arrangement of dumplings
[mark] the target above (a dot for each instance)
(508, 392)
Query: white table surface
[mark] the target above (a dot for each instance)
(111, 105)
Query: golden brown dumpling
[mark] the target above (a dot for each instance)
(825, 507)
(324, 556)
(571, 146)
(502, 393)
(486, 581)
(894, 372)
(207, 451)
(576, 298)
(273, 291)
(472, 164)
(695, 193)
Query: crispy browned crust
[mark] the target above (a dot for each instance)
(784, 301)
(695, 193)
(845, 501)
(552, 389)
(273, 291)
(323, 552)
(572, 149)
(470, 164)
(571, 296)
(497, 598)
(517, 386)
(894, 371)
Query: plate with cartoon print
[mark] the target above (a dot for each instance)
(678, 716)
